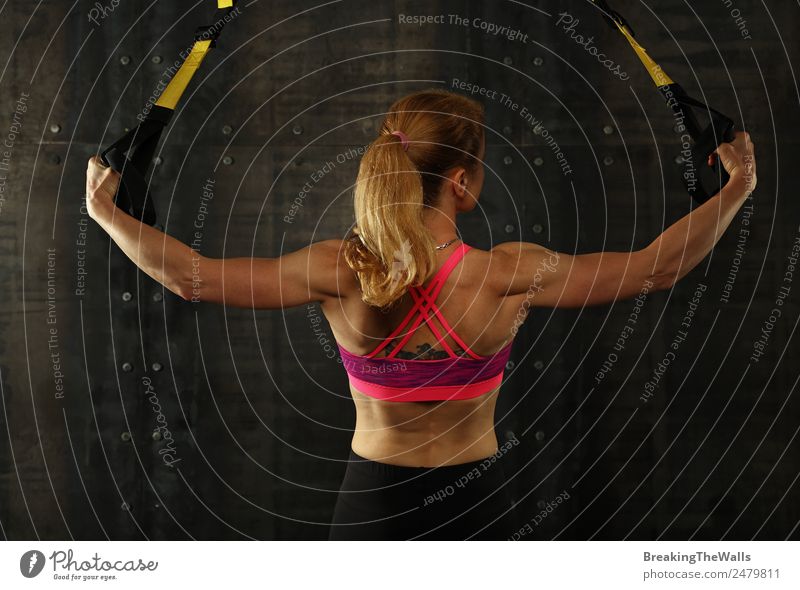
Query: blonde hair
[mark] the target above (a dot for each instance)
(390, 248)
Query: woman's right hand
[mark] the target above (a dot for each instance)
(739, 160)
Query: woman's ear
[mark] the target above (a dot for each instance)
(459, 182)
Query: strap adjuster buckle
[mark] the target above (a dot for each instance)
(614, 18)
(208, 33)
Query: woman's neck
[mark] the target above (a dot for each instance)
(441, 224)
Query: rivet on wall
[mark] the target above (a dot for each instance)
(297, 130)
(226, 129)
(55, 128)
(157, 367)
(156, 435)
(509, 365)
(608, 160)
(608, 130)
(126, 296)
(538, 61)
(539, 435)
(507, 60)
(538, 161)
(126, 436)
(157, 296)
(537, 228)
(508, 160)
(227, 160)
(125, 60)
(156, 59)
(158, 160)
(127, 367)
(538, 365)
(509, 229)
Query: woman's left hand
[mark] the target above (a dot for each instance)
(101, 186)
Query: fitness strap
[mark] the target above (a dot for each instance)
(132, 154)
(702, 181)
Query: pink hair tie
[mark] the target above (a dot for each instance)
(403, 138)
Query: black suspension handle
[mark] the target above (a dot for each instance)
(701, 180)
(131, 157)
(711, 178)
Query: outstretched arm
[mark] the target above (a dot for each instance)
(554, 279)
(314, 273)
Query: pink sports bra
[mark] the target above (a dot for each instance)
(457, 377)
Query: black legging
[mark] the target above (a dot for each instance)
(378, 501)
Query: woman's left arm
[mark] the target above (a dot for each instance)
(315, 273)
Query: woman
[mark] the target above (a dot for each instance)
(425, 323)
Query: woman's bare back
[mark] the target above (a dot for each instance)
(440, 432)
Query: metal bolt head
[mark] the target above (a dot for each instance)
(608, 160)
(507, 60)
(227, 129)
(126, 296)
(125, 60)
(157, 296)
(297, 130)
(156, 59)
(55, 128)
(509, 229)
(608, 130)
(537, 228)
(126, 436)
(508, 160)
(538, 61)
(127, 367)
(157, 367)
(679, 160)
(125, 506)
(158, 160)
(156, 435)
(539, 435)
(227, 160)
(538, 161)
(538, 365)
(510, 435)
(509, 365)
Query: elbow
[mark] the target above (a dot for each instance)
(663, 281)
(181, 289)
(662, 276)
(185, 287)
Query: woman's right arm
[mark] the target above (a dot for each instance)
(555, 279)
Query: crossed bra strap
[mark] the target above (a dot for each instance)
(424, 306)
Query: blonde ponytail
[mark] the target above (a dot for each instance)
(424, 135)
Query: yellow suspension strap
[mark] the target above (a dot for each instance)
(132, 154)
(702, 181)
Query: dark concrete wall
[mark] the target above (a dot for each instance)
(259, 415)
